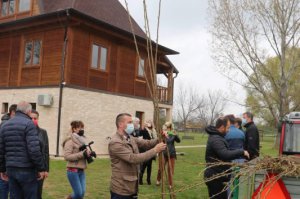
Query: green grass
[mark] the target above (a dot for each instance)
(188, 169)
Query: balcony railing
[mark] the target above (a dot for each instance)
(164, 96)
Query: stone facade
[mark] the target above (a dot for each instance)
(96, 109)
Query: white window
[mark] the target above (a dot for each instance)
(141, 69)
(99, 57)
(24, 5)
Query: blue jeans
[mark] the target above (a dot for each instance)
(23, 183)
(117, 196)
(77, 181)
(3, 189)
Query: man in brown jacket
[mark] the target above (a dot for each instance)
(126, 159)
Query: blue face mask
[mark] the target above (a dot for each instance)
(244, 122)
(129, 129)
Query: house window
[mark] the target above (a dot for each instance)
(140, 115)
(24, 5)
(33, 105)
(4, 7)
(4, 108)
(141, 69)
(8, 7)
(32, 52)
(99, 57)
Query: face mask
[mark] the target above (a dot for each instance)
(170, 133)
(80, 132)
(244, 122)
(36, 122)
(129, 129)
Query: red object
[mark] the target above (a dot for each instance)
(271, 189)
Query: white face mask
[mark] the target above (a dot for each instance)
(129, 129)
(244, 122)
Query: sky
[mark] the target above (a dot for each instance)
(184, 27)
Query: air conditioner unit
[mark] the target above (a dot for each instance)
(45, 100)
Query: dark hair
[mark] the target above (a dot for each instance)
(249, 115)
(76, 124)
(239, 121)
(35, 112)
(231, 118)
(222, 121)
(120, 117)
(12, 108)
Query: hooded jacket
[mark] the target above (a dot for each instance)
(217, 150)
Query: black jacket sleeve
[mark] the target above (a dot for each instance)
(33, 147)
(223, 152)
(252, 142)
(46, 148)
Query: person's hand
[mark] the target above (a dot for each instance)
(4, 176)
(160, 147)
(41, 175)
(246, 154)
(165, 134)
(46, 174)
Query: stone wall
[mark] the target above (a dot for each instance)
(97, 110)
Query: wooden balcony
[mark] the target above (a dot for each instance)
(165, 95)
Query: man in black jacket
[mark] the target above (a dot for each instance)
(252, 135)
(21, 159)
(44, 143)
(217, 150)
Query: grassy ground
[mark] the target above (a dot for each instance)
(188, 171)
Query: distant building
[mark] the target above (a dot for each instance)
(103, 75)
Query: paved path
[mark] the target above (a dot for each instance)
(193, 146)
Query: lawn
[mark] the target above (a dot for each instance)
(188, 171)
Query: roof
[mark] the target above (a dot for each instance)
(108, 11)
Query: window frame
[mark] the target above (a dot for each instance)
(31, 64)
(16, 9)
(138, 67)
(99, 67)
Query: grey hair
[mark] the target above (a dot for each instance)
(135, 119)
(24, 107)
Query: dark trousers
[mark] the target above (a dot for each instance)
(40, 188)
(216, 189)
(3, 189)
(148, 165)
(23, 183)
(117, 196)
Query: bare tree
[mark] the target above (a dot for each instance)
(215, 104)
(187, 103)
(248, 32)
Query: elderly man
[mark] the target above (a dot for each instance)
(137, 127)
(125, 158)
(21, 159)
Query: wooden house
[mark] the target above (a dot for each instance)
(76, 60)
